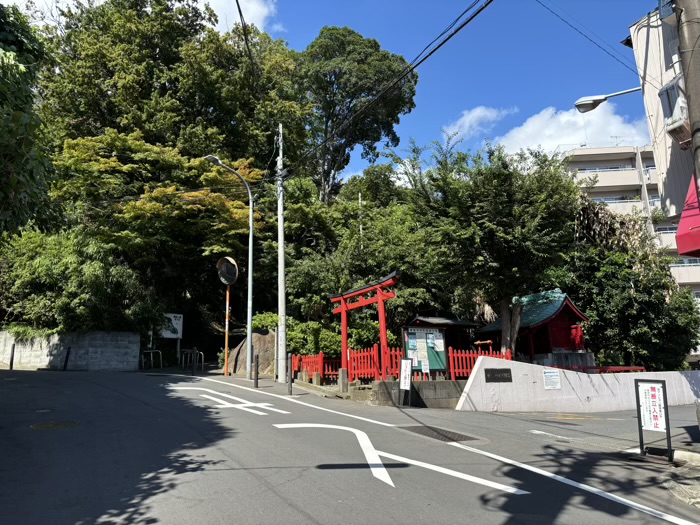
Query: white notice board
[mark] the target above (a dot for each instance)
(651, 406)
(552, 379)
(405, 379)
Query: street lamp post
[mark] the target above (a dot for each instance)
(249, 325)
(586, 104)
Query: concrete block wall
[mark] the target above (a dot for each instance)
(430, 394)
(579, 392)
(118, 351)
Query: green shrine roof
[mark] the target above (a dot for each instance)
(538, 308)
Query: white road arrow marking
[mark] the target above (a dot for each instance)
(241, 404)
(454, 473)
(371, 456)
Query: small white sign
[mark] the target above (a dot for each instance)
(172, 328)
(651, 397)
(425, 366)
(405, 379)
(552, 379)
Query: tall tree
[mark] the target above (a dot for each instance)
(24, 168)
(342, 72)
(159, 67)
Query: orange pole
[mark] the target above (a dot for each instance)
(228, 316)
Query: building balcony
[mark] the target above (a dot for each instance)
(686, 273)
(626, 207)
(611, 179)
(667, 241)
(652, 177)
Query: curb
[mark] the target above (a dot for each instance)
(322, 390)
(689, 456)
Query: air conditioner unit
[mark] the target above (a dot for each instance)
(675, 108)
(678, 126)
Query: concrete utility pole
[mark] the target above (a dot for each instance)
(688, 12)
(281, 283)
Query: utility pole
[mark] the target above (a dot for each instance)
(362, 244)
(281, 284)
(688, 12)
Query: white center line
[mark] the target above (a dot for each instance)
(286, 398)
(582, 486)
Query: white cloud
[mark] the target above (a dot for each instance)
(561, 130)
(255, 12)
(477, 121)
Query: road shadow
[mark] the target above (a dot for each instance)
(106, 445)
(552, 501)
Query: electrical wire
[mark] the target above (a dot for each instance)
(584, 35)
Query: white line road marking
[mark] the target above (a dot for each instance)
(453, 473)
(635, 450)
(582, 486)
(248, 406)
(286, 398)
(371, 455)
(541, 433)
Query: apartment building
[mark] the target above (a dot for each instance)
(625, 178)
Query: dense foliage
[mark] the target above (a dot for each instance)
(24, 168)
(133, 93)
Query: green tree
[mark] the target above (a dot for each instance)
(637, 313)
(158, 67)
(24, 168)
(70, 282)
(342, 72)
(169, 217)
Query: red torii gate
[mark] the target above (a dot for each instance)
(380, 295)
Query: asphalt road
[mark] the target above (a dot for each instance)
(84, 448)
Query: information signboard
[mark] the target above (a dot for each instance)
(652, 411)
(552, 379)
(651, 407)
(172, 327)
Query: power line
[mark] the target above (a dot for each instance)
(584, 35)
(247, 42)
(406, 71)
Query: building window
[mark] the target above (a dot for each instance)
(666, 229)
(686, 261)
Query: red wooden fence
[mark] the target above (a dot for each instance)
(462, 361)
(366, 363)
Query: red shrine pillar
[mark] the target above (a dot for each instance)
(383, 340)
(344, 334)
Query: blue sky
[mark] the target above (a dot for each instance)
(512, 75)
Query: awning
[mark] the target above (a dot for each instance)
(688, 235)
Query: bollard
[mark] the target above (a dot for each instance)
(65, 361)
(289, 374)
(12, 357)
(256, 371)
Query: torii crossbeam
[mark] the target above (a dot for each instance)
(370, 294)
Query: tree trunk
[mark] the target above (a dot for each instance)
(510, 324)
(505, 324)
(515, 326)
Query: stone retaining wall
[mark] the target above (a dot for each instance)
(117, 351)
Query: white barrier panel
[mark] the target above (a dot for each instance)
(531, 390)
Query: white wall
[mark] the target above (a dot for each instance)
(579, 392)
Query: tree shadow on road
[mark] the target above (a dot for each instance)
(555, 502)
(131, 440)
